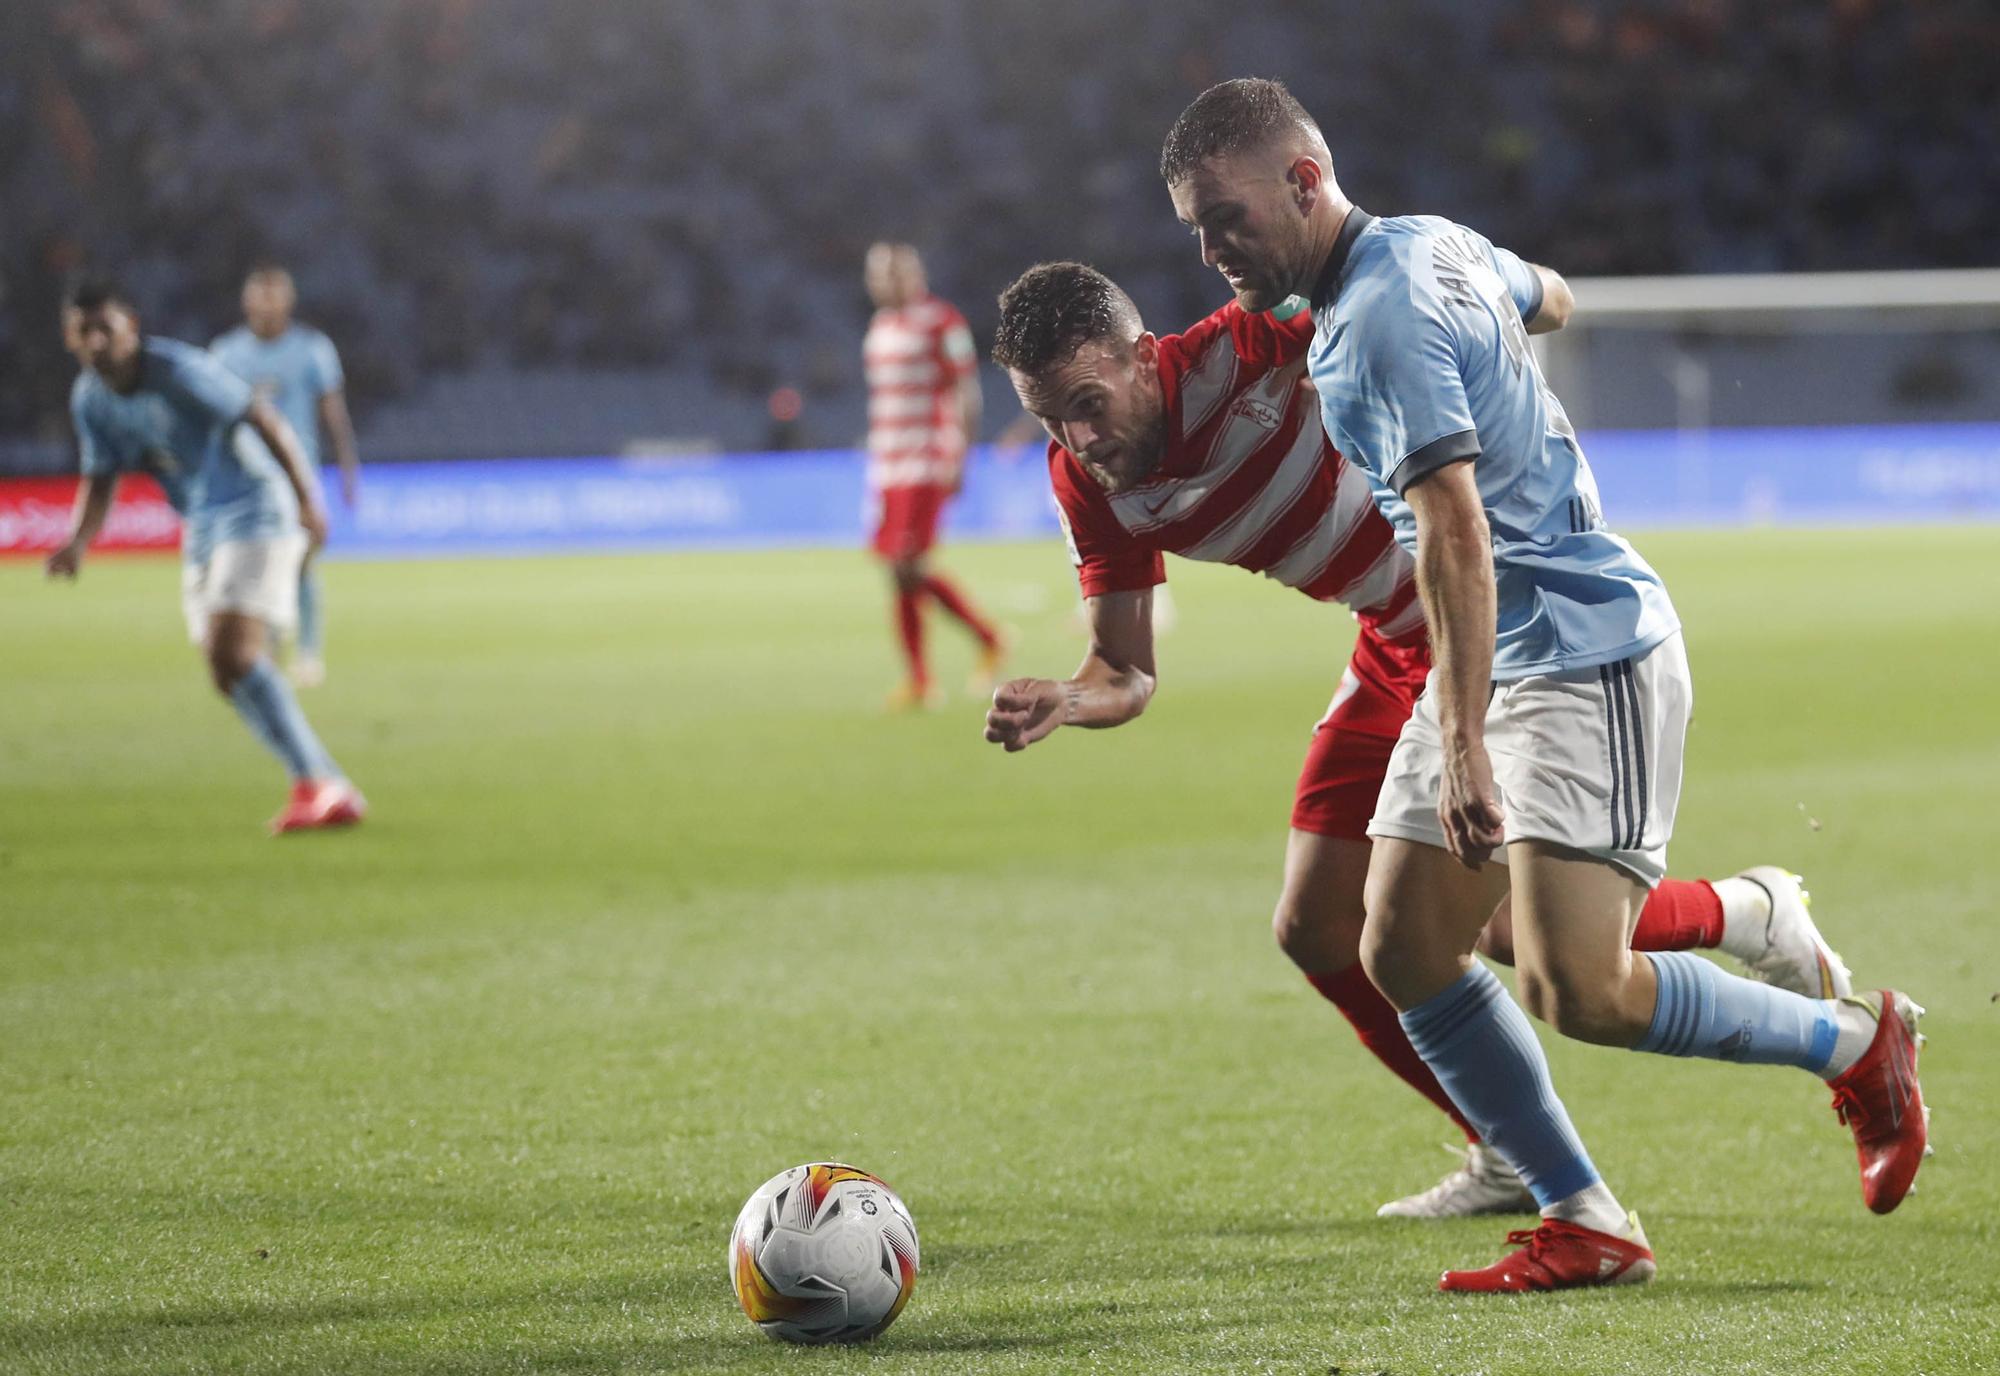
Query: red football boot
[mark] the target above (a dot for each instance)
(320, 803)
(1562, 1256)
(1878, 1097)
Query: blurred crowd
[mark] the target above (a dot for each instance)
(690, 186)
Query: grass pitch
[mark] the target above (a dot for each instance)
(655, 903)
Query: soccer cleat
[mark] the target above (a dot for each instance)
(985, 673)
(1789, 951)
(1484, 1184)
(319, 803)
(910, 696)
(1560, 1255)
(1879, 1099)
(307, 671)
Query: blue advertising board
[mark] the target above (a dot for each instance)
(1836, 475)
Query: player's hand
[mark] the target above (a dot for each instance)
(1024, 710)
(64, 562)
(312, 520)
(350, 488)
(1469, 806)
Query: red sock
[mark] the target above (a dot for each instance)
(953, 601)
(910, 626)
(1679, 914)
(1381, 1031)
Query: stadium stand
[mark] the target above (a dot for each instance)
(689, 201)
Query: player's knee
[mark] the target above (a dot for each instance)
(1382, 955)
(1319, 937)
(1496, 941)
(1575, 1003)
(228, 662)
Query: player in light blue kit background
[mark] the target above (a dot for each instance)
(1542, 762)
(248, 500)
(296, 369)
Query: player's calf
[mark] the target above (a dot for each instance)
(232, 648)
(1599, 1004)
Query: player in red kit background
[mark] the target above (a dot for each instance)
(923, 411)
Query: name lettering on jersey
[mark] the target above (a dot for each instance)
(1466, 279)
(1456, 261)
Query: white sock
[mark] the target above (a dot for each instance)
(1746, 916)
(1594, 1207)
(1857, 1024)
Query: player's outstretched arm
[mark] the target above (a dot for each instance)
(1455, 579)
(93, 504)
(1557, 301)
(276, 432)
(339, 427)
(1111, 687)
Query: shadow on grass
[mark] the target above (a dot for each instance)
(333, 1333)
(112, 1327)
(1742, 1289)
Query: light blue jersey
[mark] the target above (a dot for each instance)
(1420, 354)
(292, 372)
(182, 425)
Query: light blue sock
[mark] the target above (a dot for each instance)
(1478, 1042)
(312, 632)
(266, 702)
(1705, 1011)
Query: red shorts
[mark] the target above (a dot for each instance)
(907, 520)
(1349, 754)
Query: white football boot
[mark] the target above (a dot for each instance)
(1484, 1184)
(1780, 945)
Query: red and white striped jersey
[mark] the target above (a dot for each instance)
(915, 357)
(1249, 478)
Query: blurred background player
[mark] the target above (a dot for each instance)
(249, 503)
(1208, 445)
(296, 368)
(923, 412)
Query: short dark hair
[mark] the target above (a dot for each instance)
(1248, 112)
(87, 291)
(1054, 309)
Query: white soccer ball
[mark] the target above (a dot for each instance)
(823, 1253)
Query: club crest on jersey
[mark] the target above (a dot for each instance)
(1261, 414)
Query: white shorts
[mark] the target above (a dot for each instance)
(258, 578)
(1589, 759)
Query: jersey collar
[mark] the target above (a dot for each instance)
(1328, 285)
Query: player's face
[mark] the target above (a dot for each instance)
(104, 339)
(894, 276)
(268, 299)
(1105, 406)
(1245, 211)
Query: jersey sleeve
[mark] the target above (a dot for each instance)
(1404, 410)
(327, 377)
(1106, 556)
(202, 381)
(1524, 284)
(96, 453)
(955, 347)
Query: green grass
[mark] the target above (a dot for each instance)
(655, 903)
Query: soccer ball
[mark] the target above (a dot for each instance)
(823, 1253)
